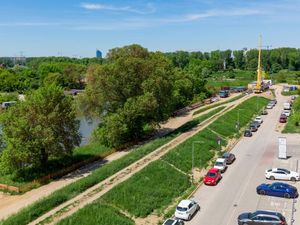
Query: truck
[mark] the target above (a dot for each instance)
(224, 93)
(286, 106)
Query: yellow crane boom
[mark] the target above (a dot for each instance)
(258, 88)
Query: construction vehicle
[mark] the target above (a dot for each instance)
(258, 88)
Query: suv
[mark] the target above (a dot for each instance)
(262, 217)
(221, 164)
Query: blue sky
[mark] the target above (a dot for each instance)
(78, 28)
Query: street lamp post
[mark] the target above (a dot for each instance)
(193, 152)
(238, 119)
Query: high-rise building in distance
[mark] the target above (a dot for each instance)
(98, 54)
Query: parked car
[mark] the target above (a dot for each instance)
(274, 101)
(186, 209)
(255, 122)
(286, 112)
(253, 127)
(248, 133)
(264, 112)
(283, 118)
(6, 105)
(258, 119)
(281, 174)
(173, 222)
(230, 157)
(270, 106)
(287, 106)
(221, 164)
(261, 217)
(278, 189)
(212, 177)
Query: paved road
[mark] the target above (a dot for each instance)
(236, 192)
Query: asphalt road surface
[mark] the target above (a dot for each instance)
(236, 192)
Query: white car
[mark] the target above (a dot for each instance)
(286, 112)
(173, 222)
(258, 119)
(269, 106)
(281, 174)
(221, 164)
(186, 209)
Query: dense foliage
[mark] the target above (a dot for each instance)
(134, 91)
(293, 125)
(37, 129)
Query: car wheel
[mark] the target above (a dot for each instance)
(198, 208)
(287, 195)
(189, 217)
(262, 192)
(272, 178)
(293, 179)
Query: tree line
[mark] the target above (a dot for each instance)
(132, 90)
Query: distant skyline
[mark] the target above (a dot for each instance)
(77, 28)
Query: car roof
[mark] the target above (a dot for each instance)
(184, 203)
(214, 170)
(268, 212)
(220, 160)
(227, 154)
(170, 221)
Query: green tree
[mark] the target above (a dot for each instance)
(133, 90)
(39, 128)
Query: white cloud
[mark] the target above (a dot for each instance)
(93, 6)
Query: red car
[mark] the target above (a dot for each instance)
(212, 177)
(283, 118)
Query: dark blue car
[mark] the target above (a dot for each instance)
(278, 189)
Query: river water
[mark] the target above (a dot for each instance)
(86, 128)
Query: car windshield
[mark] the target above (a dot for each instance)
(251, 215)
(211, 174)
(219, 164)
(181, 209)
(169, 222)
(284, 170)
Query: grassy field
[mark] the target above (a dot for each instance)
(40, 207)
(226, 124)
(230, 79)
(289, 93)
(181, 155)
(158, 184)
(151, 189)
(202, 109)
(97, 213)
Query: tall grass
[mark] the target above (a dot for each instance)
(152, 188)
(97, 213)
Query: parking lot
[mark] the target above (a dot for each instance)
(236, 193)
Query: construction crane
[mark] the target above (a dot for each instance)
(258, 87)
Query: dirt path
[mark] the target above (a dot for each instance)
(103, 187)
